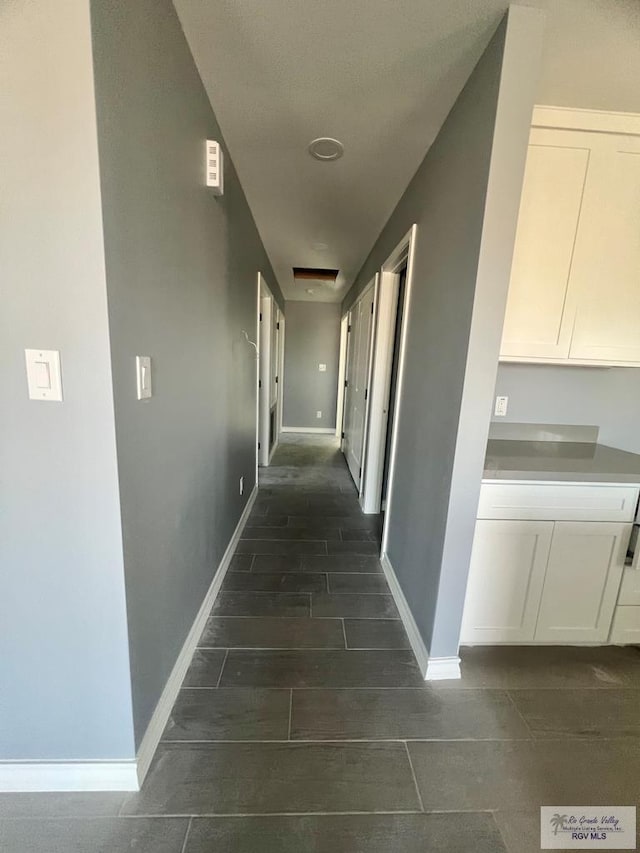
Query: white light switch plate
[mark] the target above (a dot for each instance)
(143, 376)
(44, 377)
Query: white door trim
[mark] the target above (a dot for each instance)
(354, 348)
(368, 389)
(280, 356)
(342, 369)
(404, 253)
(380, 368)
(258, 292)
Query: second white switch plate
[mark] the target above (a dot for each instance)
(143, 376)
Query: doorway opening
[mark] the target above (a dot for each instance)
(374, 357)
(393, 386)
(270, 333)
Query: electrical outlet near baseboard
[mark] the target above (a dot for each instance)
(318, 414)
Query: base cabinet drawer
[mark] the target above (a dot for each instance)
(625, 629)
(557, 501)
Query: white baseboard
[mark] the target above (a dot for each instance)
(417, 643)
(166, 702)
(439, 669)
(125, 775)
(311, 430)
(32, 776)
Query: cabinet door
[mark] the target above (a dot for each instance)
(582, 581)
(607, 256)
(505, 581)
(540, 307)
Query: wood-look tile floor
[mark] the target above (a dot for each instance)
(304, 725)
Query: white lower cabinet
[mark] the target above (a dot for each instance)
(505, 580)
(536, 581)
(582, 580)
(625, 629)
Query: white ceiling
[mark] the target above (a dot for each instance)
(381, 76)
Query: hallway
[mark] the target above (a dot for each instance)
(304, 726)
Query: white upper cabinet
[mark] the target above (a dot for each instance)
(539, 317)
(574, 295)
(607, 265)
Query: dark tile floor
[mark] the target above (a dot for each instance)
(304, 726)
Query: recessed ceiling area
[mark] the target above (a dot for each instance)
(380, 78)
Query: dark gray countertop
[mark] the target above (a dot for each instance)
(560, 460)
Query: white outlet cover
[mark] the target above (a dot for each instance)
(501, 407)
(318, 414)
(322, 368)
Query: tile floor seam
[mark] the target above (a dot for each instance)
(413, 775)
(500, 832)
(226, 655)
(378, 740)
(290, 713)
(186, 835)
(344, 634)
(521, 715)
(189, 816)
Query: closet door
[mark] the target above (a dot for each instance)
(607, 269)
(541, 303)
(357, 374)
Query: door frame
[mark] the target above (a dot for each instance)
(371, 286)
(368, 389)
(379, 403)
(267, 310)
(342, 369)
(280, 376)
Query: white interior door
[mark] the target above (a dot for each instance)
(264, 385)
(357, 374)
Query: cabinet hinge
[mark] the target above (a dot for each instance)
(372, 307)
(342, 436)
(278, 325)
(349, 327)
(276, 380)
(346, 383)
(258, 445)
(259, 383)
(261, 316)
(366, 393)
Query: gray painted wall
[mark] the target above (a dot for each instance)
(464, 199)
(63, 636)
(312, 337)
(606, 397)
(182, 275)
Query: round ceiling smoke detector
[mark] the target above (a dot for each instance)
(326, 148)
